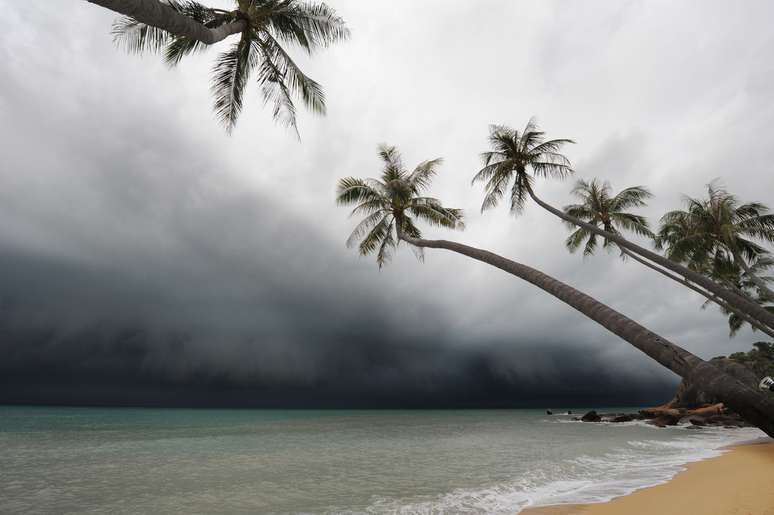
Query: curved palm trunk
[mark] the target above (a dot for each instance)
(754, 406)
(162, 16)
(741, 303)
(720, 302)
(757, 280)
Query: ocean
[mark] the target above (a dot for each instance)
(180, 461)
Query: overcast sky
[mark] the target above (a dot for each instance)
(149, 258)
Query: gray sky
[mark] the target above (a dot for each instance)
(146, 253)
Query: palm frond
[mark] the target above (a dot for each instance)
(281, 80)
(375, 236)
(391, 158)
(431, 211)
(138, 37)
(634, 196)
(551, 169)
(423, 174)
(520, 192)
(632, 223)
(351, 190)
(387, 247)
(364, 227)
(591, 245)
(179, 47)
(230, 73)
(575, 239)
(310, 25)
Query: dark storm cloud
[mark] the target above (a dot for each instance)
(147, 258)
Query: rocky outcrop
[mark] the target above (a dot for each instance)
(591, 416)
(667, 415)
(693, 406)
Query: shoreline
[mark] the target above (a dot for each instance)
(741, 480)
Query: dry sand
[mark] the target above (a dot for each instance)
(740, 482)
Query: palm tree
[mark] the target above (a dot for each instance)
(519, 156)
(600, 208)
(392, 204)
(264, 27)
(719, 230)
(388, 205)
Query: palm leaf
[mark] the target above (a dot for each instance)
(230, 74)
(351, 190)
(309, 25)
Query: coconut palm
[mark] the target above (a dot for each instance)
(518, 157)
(387, 205)
(718, 229)
(392, 204)
(610, 212)
(266, 26)
(600, 208)
(513, 156)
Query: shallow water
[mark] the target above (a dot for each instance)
(98, 460)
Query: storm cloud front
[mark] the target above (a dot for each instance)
(147, 258)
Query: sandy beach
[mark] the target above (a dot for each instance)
(740, 482)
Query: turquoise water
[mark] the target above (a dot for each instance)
(98, 460)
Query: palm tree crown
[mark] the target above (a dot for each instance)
(513, 154)
(610, 212)
(716, 231)
(269, 24)
(390, 203)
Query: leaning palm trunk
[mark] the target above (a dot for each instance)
(162, 16)
(755, 407)
(737, 301)
(712, 298)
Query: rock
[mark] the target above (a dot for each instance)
(697, 421)
(730, 420)
(623, 418)
(660, 411)
(549, 412)
(591, 416)
(665, 419)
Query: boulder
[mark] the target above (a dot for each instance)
(591, 416)
(623, 418)
(696, 421)
(665, 419)
(660, 411)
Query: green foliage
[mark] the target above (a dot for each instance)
(512, 156)
(712, 233)
(740, 281)
(391, 203)
(281, 82)
(715, 236)
(760, 359)
(599, 207)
